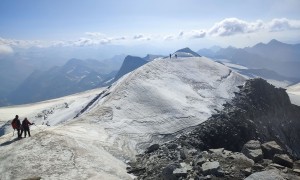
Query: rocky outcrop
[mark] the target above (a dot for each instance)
(259, 113)
(212, 164)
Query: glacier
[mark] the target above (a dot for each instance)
(152, 104)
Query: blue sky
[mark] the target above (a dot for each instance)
(153, 22)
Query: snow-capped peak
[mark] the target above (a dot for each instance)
(186, 52)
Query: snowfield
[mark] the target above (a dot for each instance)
(294, 93)
(52, 112)
(149, 105)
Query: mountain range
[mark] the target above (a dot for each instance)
(183, 100)
(24, 82)
(274, 56)
(75, 76)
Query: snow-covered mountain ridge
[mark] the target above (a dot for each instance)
(151, 104)
(166, 96)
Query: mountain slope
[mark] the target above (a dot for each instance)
(75, 76)
(151, 104)
(276, 56)
(166, 96)
(130, 63)
(277, 51)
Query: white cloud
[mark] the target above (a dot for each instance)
(95, 34)
(283, 24)
(194, 34)
(169, 38)
(232, 26)
(5, 49)
(226, 27)
(141, 37)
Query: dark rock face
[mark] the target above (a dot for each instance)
(130, 63)
(259, 113)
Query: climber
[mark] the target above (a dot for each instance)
(25, 125)
(16, 124)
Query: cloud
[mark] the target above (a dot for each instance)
(5, 49)
(283, 24)
(194, 34)
(225, 27)
(141, 37)
(95, 34)
(232, 26)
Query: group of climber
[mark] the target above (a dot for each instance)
(16, 124)
(171, 56)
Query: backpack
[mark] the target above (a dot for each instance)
(14, 124)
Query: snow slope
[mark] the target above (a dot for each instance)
(165, 96)
(294, 93)
(53, 111)
(151, 104)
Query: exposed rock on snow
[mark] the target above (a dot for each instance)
(258, 104)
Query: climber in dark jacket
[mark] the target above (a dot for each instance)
(25, 125)
(16, 124)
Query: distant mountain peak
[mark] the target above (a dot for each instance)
(186, 52)
(130, 63)
(274, 41)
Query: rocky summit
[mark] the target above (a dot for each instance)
(257, 134)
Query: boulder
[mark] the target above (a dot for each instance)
(297, 171)
(211, 168)
(297, 164)
(199, 161)
(216, 151)
(277, 166)
(283, 159)
(184, 153)
(167, 172)
(266, 175)
(247, 171)
(186, 166)
(241, 158)
(172, 146)
(152, 148)
(270, 149)
(180, 172)
(252, 149)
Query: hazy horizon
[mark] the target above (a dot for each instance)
(140, 27)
